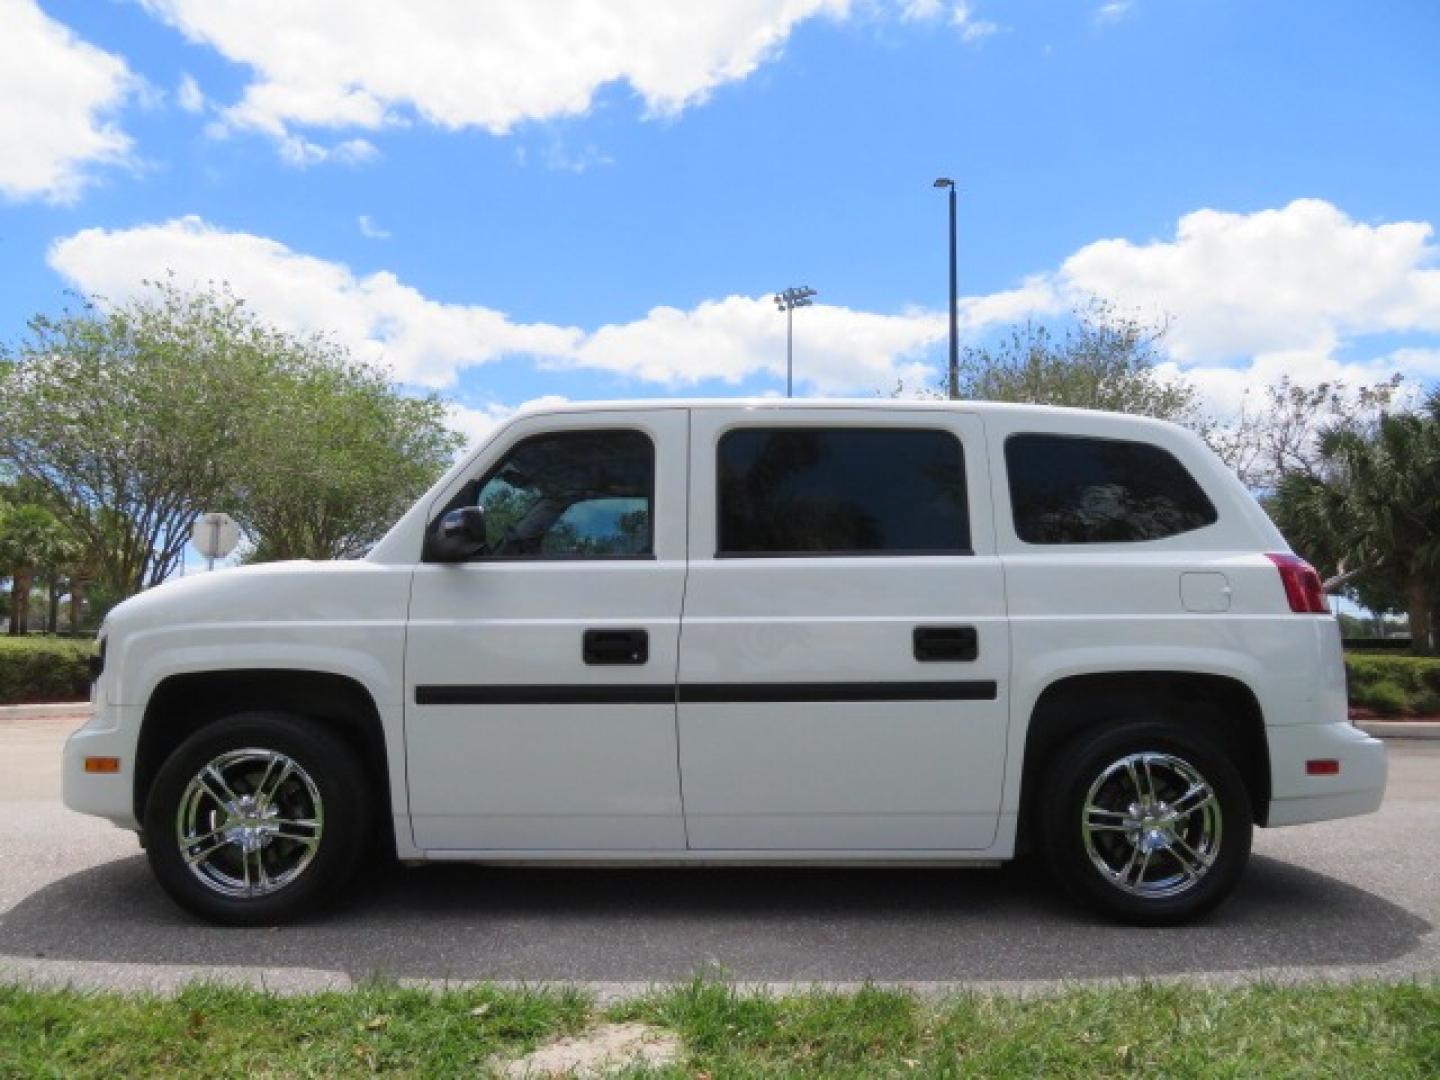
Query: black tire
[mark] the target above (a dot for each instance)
(346, 810)
(1067, 784)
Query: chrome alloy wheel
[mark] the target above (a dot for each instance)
(249, 823)
(1152, 825)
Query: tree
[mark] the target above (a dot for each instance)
(1103, 359)
(136, 418)
(333, 456)
(1277, 430)
(125, 416)
(32, 540)
(1374, 511)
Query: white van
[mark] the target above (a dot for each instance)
(748, 632)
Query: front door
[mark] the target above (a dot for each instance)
(540, 677)
(844, 651)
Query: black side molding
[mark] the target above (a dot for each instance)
(707, 693)
(606, 694)
(974, 690)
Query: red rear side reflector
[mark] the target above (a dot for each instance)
(102, 764)
(1302, 584)
(1322, 767)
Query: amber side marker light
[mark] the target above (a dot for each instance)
(1322, 767)
(102, 764)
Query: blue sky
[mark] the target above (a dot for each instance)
(595, 199)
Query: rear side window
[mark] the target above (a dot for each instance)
(1068, 489)
(837, 491)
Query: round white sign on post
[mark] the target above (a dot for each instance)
(215, 535)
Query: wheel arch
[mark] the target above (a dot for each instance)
(183, 703)
(1226, 706)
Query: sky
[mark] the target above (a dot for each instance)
(515, 200)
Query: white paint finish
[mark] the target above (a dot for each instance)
(499, 777)
(919, 781)
(826, 775)
(840, 776)
(545, 776)
(111, 731)
(1363, 766)
(1205, 592)
(347, 618)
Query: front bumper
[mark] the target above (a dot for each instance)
(1297, 798)
(109, 733)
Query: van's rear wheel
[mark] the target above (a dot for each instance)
(257, 818)
(1147, 822)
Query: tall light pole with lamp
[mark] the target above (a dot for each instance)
(946, 182)
(787, 301)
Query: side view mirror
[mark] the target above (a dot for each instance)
(457, 536)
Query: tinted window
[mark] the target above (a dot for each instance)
(572, 494)
(1066, 489)
(836, 490)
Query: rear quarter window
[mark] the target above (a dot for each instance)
(1073, 489)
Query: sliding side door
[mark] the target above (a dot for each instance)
(844, 648)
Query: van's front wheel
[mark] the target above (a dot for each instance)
(1147, 822)
(257, 818)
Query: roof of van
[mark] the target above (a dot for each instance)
(551, 406)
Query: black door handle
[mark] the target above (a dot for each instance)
(616, 647)
(946, 643)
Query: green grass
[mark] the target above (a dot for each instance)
(34, 668)
(212, 1031)
(1179, 1030)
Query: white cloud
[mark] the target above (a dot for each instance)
(302, 153)
(476, 423)
(368, 63)
(1304, 277)
(837, 349)
(921, 10)
(961, 16)
(57, 94)
(971, 28)
(1224, 389)
(370, 230)
(189, 95)
(423, 341)
(1255, 296)
(383, 320)
(1113, 10)
(560, 159)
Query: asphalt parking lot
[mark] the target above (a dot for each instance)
(1348, 899)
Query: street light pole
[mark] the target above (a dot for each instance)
(787, 301)
(789, 352)
(946, 182)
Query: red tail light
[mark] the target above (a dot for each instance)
(1302, 585)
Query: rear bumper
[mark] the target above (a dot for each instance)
(1297, 798)
(106, 795)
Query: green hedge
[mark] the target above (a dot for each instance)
(1394, 685)
(34, 669)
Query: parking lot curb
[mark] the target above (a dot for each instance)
(1401, 729)
(62, 708)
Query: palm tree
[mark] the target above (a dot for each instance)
(1376, 510)
(32, 540)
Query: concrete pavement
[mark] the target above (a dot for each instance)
(1348, 899)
